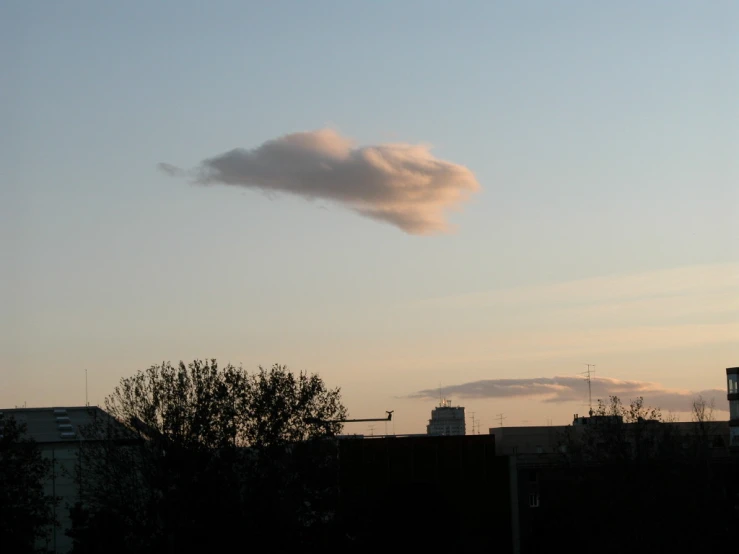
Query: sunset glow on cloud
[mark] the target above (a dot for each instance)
(401, 184)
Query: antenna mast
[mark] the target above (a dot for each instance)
(588, 378)
(500, 418)
(86, 402)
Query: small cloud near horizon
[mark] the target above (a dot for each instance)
(575, 389)
(171, 170)
(401, 184)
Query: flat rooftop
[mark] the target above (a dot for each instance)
(54, 424)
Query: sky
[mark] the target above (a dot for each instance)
(403, 196)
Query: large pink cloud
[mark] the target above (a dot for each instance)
(401, 184)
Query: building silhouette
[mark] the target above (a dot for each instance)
(732, 390)
(58, 433)
(446, 420)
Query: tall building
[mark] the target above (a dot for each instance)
(446, 420)
(732, 387)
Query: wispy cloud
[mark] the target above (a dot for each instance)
(677, 308)
(716, 284)
(171, 170)
(401, 184)
(574, 389)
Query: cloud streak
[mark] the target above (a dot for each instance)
(574, 389)
(171, 170)
(400, 184)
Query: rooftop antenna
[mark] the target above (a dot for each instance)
(588, 378)
(501, 417)
(86, 401)
(372, 430)
(473, 422)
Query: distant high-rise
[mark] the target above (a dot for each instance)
(446, 420)
(732, 387)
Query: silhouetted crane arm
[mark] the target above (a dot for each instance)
(324, 421)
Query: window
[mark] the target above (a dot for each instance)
(539, 449)
(734, 409)
(733, 380)
(534, 500)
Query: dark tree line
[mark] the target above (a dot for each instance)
(621, 434)
(197, 457)
(628, 481)
(202, 458)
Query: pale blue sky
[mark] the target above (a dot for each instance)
(604, 135)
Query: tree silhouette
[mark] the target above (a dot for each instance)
(26, 512)
(627, 464)
(196, 453)
(620, 433)
(281, 405)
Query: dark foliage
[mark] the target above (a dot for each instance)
(202, 458)
(26, 512)
(626, 481)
